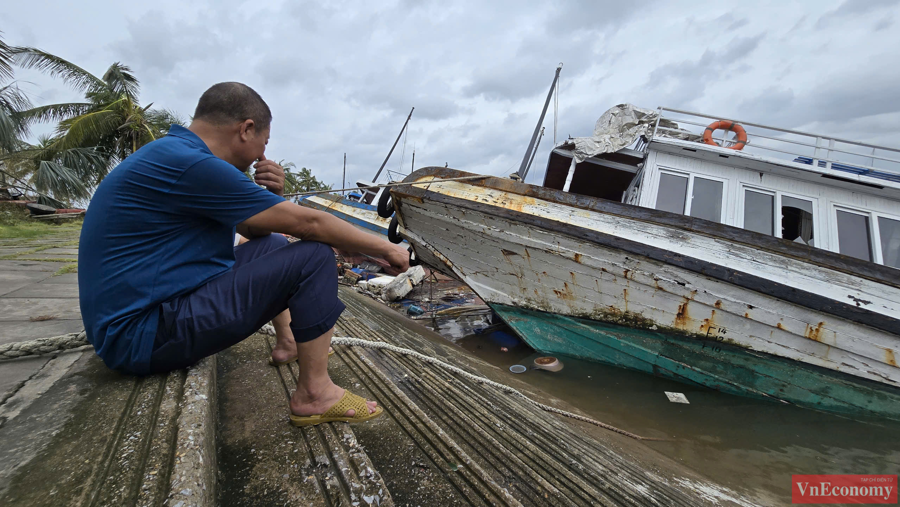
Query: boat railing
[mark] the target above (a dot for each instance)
(828, 152)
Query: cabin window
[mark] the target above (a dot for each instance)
(690, 195)
(759, 212)
(706, 199)
(797, 219)
(775, 214)
(889, 232)
(854, 235)
(672, 193)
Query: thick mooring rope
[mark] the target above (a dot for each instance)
(75, 340)
(43, 345)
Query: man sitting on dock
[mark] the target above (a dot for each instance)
(161, 284)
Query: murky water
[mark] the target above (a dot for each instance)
(748, 445)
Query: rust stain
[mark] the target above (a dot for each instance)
(578, 258)
(604, 270)
(709, 324)
(746, 315)
(527, 254)
(625, 297)
(718, 303)
(544, 272)
(814, 333)
(682, 317)
(625, 273)
(779, 326)
(565, 294)
(889, 357)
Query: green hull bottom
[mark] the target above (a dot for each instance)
(727, 368)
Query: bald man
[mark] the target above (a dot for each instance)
(161, 285)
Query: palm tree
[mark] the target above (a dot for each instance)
(91, 136)
(110, 119)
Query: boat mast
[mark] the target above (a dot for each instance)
(533, 153)
(344, 180)
(394, 146)
(523, 168)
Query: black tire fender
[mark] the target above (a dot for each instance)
(393, 235)
(385, 204)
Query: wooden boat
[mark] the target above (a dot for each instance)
(762, 273)
(355, 210)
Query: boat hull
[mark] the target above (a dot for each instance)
(530, 248)
(708, 363)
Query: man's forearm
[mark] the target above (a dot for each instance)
(328, 229)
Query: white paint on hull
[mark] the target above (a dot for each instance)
(509, 263)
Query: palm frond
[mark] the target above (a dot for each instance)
(60, 181)
(12, 101)
(54, 112)
(6, 59)
(120, 80)
(71, 74)
(88, 129)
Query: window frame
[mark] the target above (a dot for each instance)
(776, 213)
(874, 228)
(689, 196)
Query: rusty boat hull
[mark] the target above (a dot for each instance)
(675, 296)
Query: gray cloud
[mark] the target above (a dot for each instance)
(851, 9)
(684, 82)
(341, 77)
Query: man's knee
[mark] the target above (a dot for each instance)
(272, 241)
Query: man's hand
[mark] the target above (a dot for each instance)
(270, 175)
(398, 256)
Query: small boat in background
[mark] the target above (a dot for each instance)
(763, 265)
(357, 208)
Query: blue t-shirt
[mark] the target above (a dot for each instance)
(160, 225)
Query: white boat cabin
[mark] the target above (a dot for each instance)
(829, 193)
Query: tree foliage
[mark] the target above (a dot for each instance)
(301, 181)
(90, 137)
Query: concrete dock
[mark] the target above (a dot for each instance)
(73, 432)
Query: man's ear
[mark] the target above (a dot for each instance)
(248, 129)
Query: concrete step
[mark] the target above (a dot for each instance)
(77, 433)
(263, 460)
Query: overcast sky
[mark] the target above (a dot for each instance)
(342, 78)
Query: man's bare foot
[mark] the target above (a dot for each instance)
(306, 403)
(284, 351)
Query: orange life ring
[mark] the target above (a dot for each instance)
(726, 125)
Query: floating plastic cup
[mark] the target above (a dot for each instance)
(517, 368)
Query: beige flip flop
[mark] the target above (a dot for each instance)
(273, 362)
(337, 411)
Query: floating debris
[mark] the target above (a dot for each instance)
(677, 398)
(518, 368)
(548, 363)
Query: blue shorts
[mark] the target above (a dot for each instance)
(269, 275)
